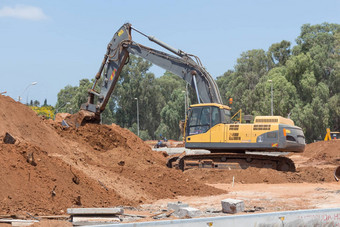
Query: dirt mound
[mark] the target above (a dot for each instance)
(32, 181)
(326, 151)
(254, 175)
(315, 165)
(23, 124)
(59, 117)
(113, 166)
(129, 165)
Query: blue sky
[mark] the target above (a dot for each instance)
(57, 43)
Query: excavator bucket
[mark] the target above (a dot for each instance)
(81, 118)
(337, 173)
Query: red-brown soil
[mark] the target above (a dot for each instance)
(270, 176)
(327, 152)
(315, 165)
(114, 167)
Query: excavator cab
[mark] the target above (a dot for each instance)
(202, 117)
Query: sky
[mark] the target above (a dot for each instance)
(57, 43)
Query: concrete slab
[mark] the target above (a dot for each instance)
(232, 206)
(180, 150)
(80, 221)
(176, 206)
(188, 212)
(18, 222)
(91, 211)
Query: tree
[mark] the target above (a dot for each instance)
(65, 97)
(45, 103)
(36, 103)
(173, 92)
(334, 112)
(280, 52)
(306, 80)
(136, 82)
(284, 94)
(240, 84)
(319, 41)
(172, 113)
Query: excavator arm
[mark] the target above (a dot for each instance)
(118, 51)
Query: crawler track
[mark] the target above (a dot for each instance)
(231, 161)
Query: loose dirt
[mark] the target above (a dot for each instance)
(315, 165)
(51, 168)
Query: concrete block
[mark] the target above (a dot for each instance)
(93, 220)
(176, 206)
(232, 206)
(96, 211)
(189, 212)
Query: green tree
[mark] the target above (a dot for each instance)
(240, 84)
(45, 103)
(334, 112)
(320, 42)
(306, 80)
(280, 52)
(36, 103)
(172, 113)
(65, 97)
(136, 82)
(284, 94)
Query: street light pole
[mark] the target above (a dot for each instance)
(19, 99)
(185, 104)
(271, 101)
(137, 118)
(186, 99)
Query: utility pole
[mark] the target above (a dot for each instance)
(271, 101)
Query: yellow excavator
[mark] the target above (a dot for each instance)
(208, 124)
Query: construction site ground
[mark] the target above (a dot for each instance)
(51, 168)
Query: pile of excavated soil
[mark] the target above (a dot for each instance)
(255, 175)
(124, 160)
(46, 185)
(51, 168)
(324, 151)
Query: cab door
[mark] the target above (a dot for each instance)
(217, 127)
(198, 129)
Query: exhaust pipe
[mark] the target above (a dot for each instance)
(337, 173)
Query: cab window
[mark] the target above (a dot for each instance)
(226, 117)
(215, 116)
(199, 121)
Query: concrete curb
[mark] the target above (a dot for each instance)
(317, 217)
